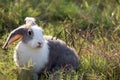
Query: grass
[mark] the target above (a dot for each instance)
(92, 27)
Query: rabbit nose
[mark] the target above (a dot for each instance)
(39, 44)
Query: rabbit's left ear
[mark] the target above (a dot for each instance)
(14, 35)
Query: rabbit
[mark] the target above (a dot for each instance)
(43, 52)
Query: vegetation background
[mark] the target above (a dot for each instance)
(92, 27)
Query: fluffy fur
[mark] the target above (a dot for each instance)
(42, 52)
(38, 56)
(37, 37)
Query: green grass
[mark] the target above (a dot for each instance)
(92, 27)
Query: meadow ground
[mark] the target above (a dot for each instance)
(92, 27)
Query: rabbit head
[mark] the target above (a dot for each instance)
(30, 34)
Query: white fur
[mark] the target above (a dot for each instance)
(30, 20)
(38, 56)
(29, 52)
(37, 37)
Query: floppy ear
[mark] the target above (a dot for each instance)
(14, 35)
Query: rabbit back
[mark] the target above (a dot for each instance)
(61, 55)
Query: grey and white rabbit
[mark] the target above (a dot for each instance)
(43, 52)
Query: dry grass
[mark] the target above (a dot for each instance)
(91, 27)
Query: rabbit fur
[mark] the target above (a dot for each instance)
(43, 52)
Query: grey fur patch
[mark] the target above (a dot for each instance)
(61, 56)
(26, 36)
(24, 31)
(13, 34)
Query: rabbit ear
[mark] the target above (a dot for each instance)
(14, 35)
(30, 20)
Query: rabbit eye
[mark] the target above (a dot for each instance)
(29, 32)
